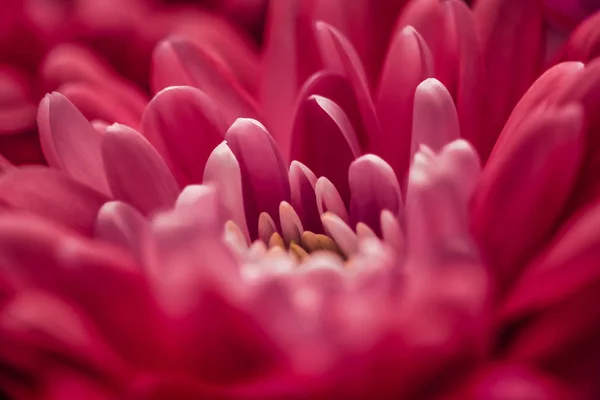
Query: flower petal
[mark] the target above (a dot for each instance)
(324, 141)
(69, 141)
(524, 188)
(304, 200)
(120, 224)
(179, 62)
(223, 169)
(435, 122)
(512, 42)
(51, 194)
(265, 181)
(188, 125)
(329, 199)
(136, 173)
(374, 188)
(395, 96)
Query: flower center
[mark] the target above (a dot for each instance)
(309, 243)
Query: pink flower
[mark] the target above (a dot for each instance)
(419, 225)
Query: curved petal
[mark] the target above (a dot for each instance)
(120, 224)
(136, 173)
(188, 125)
(51, 194)
(265, 181)
(70, 142)
(303, 183)
(395, 96)
(435, 122)
(324, 141)
(374, 188)
(524, 188)
(223, 169)
(178, 62)
(511, 38)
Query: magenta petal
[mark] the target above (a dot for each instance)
(49, 193)
(343, 235)
(510, 32)
(179, 62)
(188, 125)
(70, 142)
(329, 199)
(584, 42)
(395, 96)
(99, 102)
(136, 173)
(265, 180)
(290, 57)
(303, 183)
(374, 188)
(544, 91)
(120, 224)
(338, 89)
(324, 141)
(524, 188)
(340, 57)
(223, 169)
(435, 122)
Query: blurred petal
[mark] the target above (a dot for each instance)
(136, 173)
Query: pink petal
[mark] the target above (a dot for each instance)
(435, 122)
(51, 194)
(459, 160)
(374, 188)
(290, 57)
(511, 38)
(291, 227)
(340, 57)
(47, 256)
(343, 235)
(524, 187)
(584, 42)
(188, 125)
(585, 89)
(329, 199)
(338, 89)
(392, 233)
(265, 181)
(544, 90)
(120, 224)
(324, 141)
(266, 227)
(136, 173)
(470, 80)
(302, 183)
(223, 169)
(395, 96)
(433, 19)
(70, 142)
(178, 62)
(97, 101)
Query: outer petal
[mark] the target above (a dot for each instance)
(395, 96)
(324, 141)
(265, 181)
(136, 172)
(184, 125)
(49, 193)
(120, 224)
(179, 62)
(584, 42)
(511, 37)
(524, 187)
(70, 142)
